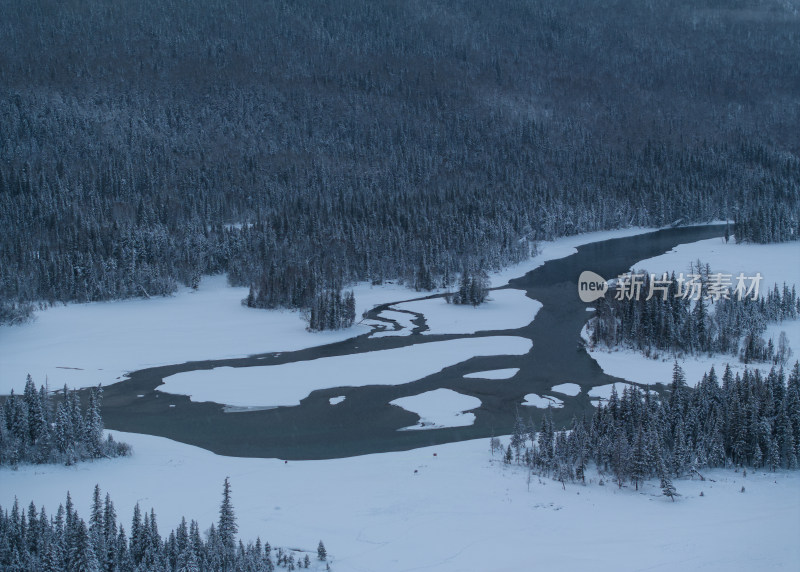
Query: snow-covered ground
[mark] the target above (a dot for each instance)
(777, 263)
(505, 310)
(506, 373)
(459, 510)
(563, 247)
(287, 384)
(542, 401)
(86, 344)
(439, 408)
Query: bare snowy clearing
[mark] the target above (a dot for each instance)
(86, 344)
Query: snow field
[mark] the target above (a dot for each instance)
(461, 509)
(86, 344)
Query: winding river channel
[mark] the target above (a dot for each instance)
(365, 422)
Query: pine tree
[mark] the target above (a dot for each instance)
(667, 488)
(94, 423)
(322, 554)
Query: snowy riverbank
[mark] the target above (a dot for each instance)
(777, 263)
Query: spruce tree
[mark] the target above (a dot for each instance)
(227, 528)
(322, 554)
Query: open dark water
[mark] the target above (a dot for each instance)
(365, 422)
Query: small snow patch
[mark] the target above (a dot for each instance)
(571, 389)
(336, 400)
(439, 408)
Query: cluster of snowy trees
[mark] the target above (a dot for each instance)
(33, 540)
(323, 308)
(473, 288)
(332, 310)
(296, 145)
(746, 420)
(677, 324)
(32, 430)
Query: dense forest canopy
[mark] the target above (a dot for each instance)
(299, 146)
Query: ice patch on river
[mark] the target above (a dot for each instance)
(571, 389)
(288, 384)
(506, 373)
(439, 408)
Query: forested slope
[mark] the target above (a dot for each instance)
(298, 146)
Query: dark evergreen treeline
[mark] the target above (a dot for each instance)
(677, 324)
(303, 146)
(33, 540)
(32, 430)
(766, 223)
(746, 420)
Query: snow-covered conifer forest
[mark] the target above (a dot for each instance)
(299, 147)
(325, 253)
